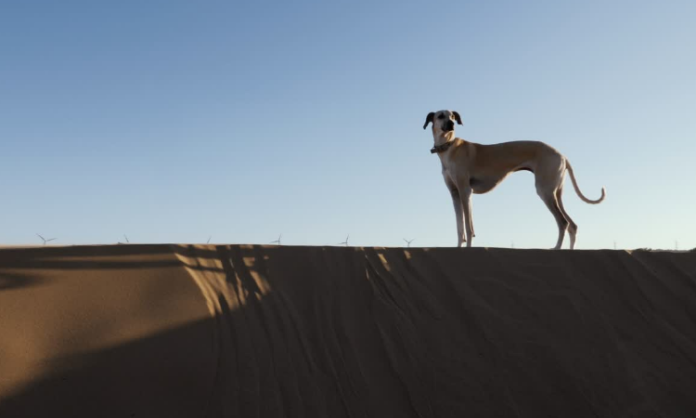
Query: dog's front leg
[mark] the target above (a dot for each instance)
(456, 201)
(465, 196)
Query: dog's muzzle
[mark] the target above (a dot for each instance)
(449, 126)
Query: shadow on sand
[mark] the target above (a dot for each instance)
(345, 332)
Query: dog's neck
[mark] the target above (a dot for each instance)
(443, 141)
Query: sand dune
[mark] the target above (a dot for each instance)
(259, 331)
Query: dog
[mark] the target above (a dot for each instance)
(469, 168)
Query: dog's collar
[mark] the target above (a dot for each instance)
(442, 148)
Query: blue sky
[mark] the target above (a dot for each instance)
(176, 121)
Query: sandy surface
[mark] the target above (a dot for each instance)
(257, 331)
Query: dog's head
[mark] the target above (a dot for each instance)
(443, 120)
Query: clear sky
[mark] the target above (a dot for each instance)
(180, 121)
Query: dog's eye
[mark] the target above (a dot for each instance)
(441, 117)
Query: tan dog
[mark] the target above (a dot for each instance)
(474, 168)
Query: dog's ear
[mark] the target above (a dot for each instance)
(457, 118)
(429, 119)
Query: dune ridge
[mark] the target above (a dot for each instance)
(269, 331)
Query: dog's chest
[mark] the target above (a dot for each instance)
(450, 170)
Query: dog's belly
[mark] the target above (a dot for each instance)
(482, 185)
(485, 183)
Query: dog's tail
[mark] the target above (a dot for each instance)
(577, 189)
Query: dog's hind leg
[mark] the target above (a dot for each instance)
(549, 199)
(572, 226)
